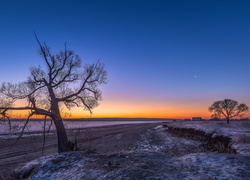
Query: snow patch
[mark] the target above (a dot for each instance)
(136, 166)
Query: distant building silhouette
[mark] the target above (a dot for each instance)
(196, 118)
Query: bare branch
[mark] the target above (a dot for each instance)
(228, 108)
(38, 111)
(51, 122)
(44, 135)
(94, 74)
(7, 117)
(44, 51)
(18, 91)
(63, 81)
(23, 128)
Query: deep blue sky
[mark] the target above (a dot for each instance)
(162, 57)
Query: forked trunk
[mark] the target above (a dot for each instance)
(63, 144)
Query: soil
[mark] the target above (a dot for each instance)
(137, 151)
(105, 140)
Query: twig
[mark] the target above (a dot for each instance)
(44, 135)
(26, 122)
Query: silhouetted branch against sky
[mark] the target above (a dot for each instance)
(227, 108)
(175, 56)
(63, 71)
(64, 80)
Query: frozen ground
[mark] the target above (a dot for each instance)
(157, 155)
(237, 130)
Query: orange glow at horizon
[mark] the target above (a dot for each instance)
(136, 109)
(143, 110)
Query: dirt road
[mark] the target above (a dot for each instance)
(107, 139)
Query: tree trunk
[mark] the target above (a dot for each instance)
(63, 144)
(228, 120)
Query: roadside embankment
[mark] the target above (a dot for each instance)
(233, 138)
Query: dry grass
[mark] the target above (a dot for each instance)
(242, 138)
(237, 130)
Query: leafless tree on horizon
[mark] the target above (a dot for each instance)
(64, 81)
(228, 108)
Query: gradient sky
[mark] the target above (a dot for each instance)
(165, 59)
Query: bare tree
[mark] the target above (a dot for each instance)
(228, 108)
(64, 81)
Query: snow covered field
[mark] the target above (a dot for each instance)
(237, 130)
(156, 154)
